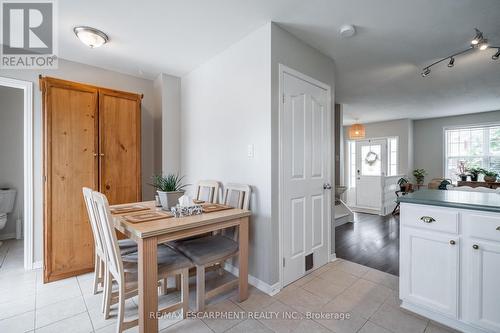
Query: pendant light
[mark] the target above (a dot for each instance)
(356, 131)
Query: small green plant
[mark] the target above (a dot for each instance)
(168, 183)
(489, 173)
(402, 181)
(474, 173)
(419, 175)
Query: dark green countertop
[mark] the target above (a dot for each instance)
(455, 199)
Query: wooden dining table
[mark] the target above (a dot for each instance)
(151, 233)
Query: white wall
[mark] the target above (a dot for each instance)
(11, 152)
(226, 107)
(429, 144)
(288, 50)
(97, 76)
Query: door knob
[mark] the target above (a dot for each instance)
(327, 186)
(475, 246)
(452, 242)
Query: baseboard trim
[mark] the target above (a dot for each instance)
(333, 257)
(10, 235)
(271, 290)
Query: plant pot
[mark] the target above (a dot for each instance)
(169, 199)
(473, 178)
(490, 179)
(463, 178)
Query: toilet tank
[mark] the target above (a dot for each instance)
(7, 198)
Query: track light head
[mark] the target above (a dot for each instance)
(452, 62)
(496, 55)
(483, 45)
(477, 38)
(426, 72)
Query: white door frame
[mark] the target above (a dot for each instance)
(282, 70)
(27, 88)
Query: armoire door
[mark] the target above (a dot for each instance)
(70, 163)
(120, 146)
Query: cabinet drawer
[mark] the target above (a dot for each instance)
(482, 225)
(429, 218)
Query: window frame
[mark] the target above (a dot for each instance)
(445, 156)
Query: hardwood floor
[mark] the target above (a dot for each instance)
(371, 240)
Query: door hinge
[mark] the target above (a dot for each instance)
(45, 178)
(283, 98)
(283, 261)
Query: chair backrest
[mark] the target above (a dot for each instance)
(207, 190)
(237, 195)
(114, 259)
(94, 224)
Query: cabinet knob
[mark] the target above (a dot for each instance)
(101, 154)
(427, 219)
(498, 228)
(452, 242)
(95, 154)
(475, 246)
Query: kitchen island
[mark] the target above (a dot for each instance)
(450, 258)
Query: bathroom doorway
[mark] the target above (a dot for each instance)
(16, 175)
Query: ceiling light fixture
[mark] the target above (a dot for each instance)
(90, 36)
(452, 62)
(347, 30)
(357, 131)
(496, 55)
(478, 42)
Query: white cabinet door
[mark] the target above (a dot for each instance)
(483, 287)
(430, 269)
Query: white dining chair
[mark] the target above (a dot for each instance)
(207, 190)
(216, 249)
(126, 278)
(126, 245)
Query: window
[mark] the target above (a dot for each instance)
(352, 163)
(477, 146)
(392, 152)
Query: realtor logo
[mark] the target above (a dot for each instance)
(28, 35)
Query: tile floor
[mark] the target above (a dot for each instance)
(368, 295)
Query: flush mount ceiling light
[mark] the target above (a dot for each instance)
(478, 42)
(347, 30)
(90, 36)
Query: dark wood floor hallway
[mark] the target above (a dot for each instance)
(371, 240)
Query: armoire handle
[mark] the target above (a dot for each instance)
(101, 154)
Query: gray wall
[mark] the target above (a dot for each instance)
(11, 152)
(428, 138)
(288, 50)
(403, 129)
(73, 71)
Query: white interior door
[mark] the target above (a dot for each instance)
(306, 176)
(371, 165)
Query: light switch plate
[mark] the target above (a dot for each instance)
(250, 151)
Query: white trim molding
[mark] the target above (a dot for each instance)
(271, 290)
(27, 88)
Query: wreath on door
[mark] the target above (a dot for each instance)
(371, 158)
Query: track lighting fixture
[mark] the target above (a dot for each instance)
(452, 62)
(496, 55)
(478, 42)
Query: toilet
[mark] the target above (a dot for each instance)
(7, 199)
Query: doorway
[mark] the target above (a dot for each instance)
(16, 172)
(305, 174)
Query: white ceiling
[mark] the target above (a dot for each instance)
(377, 70)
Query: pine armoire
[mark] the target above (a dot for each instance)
(92, 138)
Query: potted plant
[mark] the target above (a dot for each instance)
(170, 188)
(462, 171)
(474, 173)
(403, 184)
(419, 175)
(490, 176)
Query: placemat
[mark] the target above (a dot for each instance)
(210, 208)
(147, 216)
(127, 209)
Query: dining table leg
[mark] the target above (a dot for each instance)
(243, 259)
(148, 281)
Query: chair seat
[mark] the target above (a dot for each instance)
(127, 246)
(207, 249)
(168, 259)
